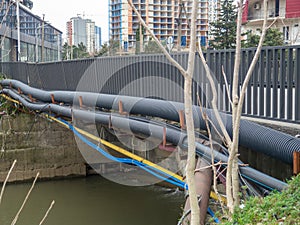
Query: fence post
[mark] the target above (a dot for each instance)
(297, 85)
(296, 163)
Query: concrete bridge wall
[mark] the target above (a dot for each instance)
(38, 145)
(43, 146)
(46, 147)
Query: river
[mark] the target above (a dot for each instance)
(91, 200)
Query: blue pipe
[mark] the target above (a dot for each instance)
(176, 137)
(147, 168)
(253, 136)
(143, 166)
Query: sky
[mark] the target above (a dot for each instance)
(58, 12)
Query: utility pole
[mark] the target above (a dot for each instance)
(179, 22)
(58, 47)
(43, 38)
(141, 31)
(71, 49)
(18, 31)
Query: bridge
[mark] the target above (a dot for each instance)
(143, 95)
(272, 92)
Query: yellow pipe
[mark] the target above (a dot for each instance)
(10, 99)
(133, 156)
(129, 154)
(120, 150)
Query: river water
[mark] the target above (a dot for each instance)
(92, 200)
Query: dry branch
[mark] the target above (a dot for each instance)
(187, 74)
(6, 179)
(25, 200)
(46, 214)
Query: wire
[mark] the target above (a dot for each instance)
(163, 174)
(146, 165)
(171, 180)
(122, 151)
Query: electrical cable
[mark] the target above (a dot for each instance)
(173, 136)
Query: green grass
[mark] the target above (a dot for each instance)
(276, 208)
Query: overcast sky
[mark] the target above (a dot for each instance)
(58, 12)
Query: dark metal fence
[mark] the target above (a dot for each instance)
(273, 92)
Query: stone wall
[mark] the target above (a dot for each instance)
(38, 145)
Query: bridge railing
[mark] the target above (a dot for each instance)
(274, 88)
(273, 91)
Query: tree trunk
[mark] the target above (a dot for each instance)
(191, 161)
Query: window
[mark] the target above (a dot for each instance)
(286, 31)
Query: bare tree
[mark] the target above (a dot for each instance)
(232, 184)
(188, 75)
(232, 177)
(232, 180)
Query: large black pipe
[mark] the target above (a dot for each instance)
(248, 172)
(253, 136)
(203, 180)
(174, 136)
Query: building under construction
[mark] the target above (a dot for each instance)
(167, 18)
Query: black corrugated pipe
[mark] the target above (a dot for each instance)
(253, 136)
(248, 172)
(174, 136)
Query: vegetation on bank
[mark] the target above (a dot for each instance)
(276, 208)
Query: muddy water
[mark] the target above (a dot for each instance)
(92, 200)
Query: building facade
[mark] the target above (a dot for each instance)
(80, 30)
(76, 31)
(167, 18)
(213, 13)
(90, 36)
(98, 40)
(283, 14)
(37, 40)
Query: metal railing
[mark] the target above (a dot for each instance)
(273, 91)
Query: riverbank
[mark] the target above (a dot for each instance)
(276, 208)
(40, 146)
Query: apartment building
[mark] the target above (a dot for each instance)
(90, 36)
(167, 18)
(98, 40)
(36, 40)
(80, 30)
(283, 14)
(76, 31)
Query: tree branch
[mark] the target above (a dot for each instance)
(25, 200)
(45, 216)
(226, 85)
(6, 179)
(214, 99)
(255, 58)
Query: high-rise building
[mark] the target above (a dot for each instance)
(213, 12)
(98, 40)
(76, 31)
(90, 36)
(167, 18)
(83, 31)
